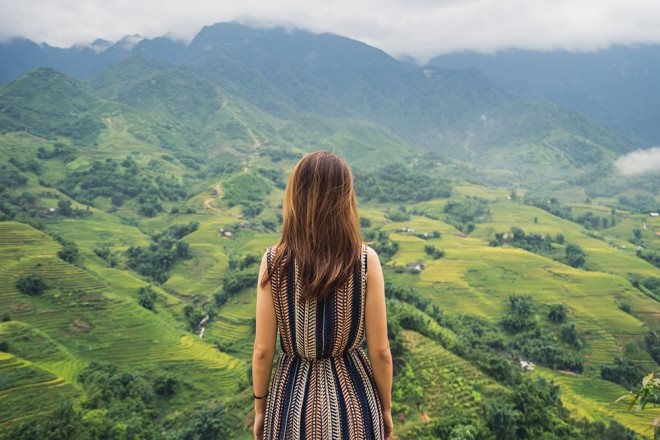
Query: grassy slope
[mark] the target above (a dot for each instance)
(476, 279)
(594, 399)
(83, 317)
(472, 279)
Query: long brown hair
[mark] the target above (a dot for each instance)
(321, 228)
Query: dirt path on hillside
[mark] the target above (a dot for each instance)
(217, 189)
(256, 144)
(112, 124)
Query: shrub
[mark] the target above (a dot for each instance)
(502, 418)
(235, 281)
(520, 315)
(568, 333)
(625, 307)
(166, 385)
(384, 246)
(465, 213)
(194, 316)
(400, 183)
(146, 297)
(69, 252)
(623, 372)
(104, 252)
(652, 343)
(434, 252)
(650, 256)
(243, 188)
(209, 422)
(398, 215)
(251, 210)
(575, 256)
(33, 284)
(557, 313)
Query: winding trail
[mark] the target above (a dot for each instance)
(218, 194)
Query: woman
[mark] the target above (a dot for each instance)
(323, 290)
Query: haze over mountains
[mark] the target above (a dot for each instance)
(495, 115)
(619, 87)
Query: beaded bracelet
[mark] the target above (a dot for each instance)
(260, 397)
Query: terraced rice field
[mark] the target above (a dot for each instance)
(26, 389)
(476, 279)
(450, 383)
(91, 313)
(595, 398)
(233, 327)
(81, 318)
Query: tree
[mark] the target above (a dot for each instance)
(32, 284)
(502, 419)
(568, 333)
(182, 249)
(575, 256)
(69, 252)
(64, 207)
(434, 252)
(653, 345)
(621, 371)
(557, 313)
(166, 385)
(146, 297)
(208, 423)
(520, 315)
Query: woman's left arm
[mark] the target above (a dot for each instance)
(264, 348)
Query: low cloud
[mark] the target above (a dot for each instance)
(417, 28)
(639, 162)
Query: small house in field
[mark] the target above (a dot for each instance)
(225, 233)
(527, 366)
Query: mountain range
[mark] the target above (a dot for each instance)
(455, 108)
(619, 87)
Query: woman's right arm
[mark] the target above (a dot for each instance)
(376, 333)
(264, 348)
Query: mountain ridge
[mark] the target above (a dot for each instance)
(619, 87)
(297, 75)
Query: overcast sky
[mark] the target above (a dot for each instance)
(419, 28)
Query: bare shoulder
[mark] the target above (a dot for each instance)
(371, 253)
(372, 259)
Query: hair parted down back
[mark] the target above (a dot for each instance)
(321, 227)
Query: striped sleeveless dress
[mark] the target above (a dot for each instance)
(323, 386)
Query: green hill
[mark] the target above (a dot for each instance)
(146, 226)
(47, 103)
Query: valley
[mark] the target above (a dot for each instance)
(137, 202)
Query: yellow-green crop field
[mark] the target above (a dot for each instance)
(90, 312)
